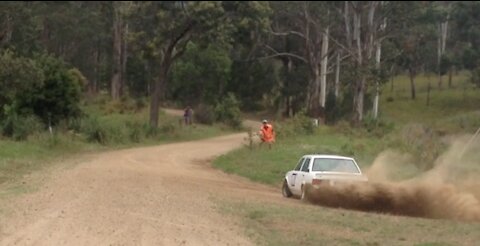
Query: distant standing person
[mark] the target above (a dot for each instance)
(267, 134)
(187, 115)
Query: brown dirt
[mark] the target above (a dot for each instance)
(145, 196)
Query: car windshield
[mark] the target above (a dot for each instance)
(334, 165)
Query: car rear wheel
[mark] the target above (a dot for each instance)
(285, 190)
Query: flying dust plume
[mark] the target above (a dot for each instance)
(451, 190)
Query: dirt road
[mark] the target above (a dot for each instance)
(145, 196)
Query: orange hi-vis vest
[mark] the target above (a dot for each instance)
(267, 133)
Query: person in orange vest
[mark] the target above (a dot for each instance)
(267, 134)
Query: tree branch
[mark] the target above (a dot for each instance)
(184, 33)
(181, 50)
(344, 48)
(334, 64)
(299, 34)
(281, 54)
(284, 54)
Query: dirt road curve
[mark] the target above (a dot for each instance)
(145, 196)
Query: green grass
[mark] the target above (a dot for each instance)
(448, 102)
(269, 166)
(451, 111)
(270, 224)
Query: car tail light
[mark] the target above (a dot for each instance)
(316, 181)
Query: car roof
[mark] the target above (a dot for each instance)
(328, 156)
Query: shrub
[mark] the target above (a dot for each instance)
(169, 127)
(94, 131)
(423, 143)
(140, 103)
(19, 127)
(303, 123)
(332, 111)
(18, 77)
(378, 127)
(58, 97)
(300, 124)
(228, 111)
(137, 131)
(204, 114)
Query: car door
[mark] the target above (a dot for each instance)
(301, 176)
(292, 176)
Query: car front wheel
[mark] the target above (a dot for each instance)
(285, 190)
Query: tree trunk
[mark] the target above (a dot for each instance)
(6, 34)
(146, 68)
(315, 94)
(358, 102)
(428, 93)
(157, 95)
(412, 84)
(123, 81)
(117, 57)
(323, 72)
(287, 62)
(159, 87)
(440, 81)
(360, 83)
(392, 75)
(155, 101)
(377, 86)
(93, 85)
(348, 28)
(337, 76)
(391, 84)
(450, 74)
(442, 42)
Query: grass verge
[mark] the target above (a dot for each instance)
(270, 224)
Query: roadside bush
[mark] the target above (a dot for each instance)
(94, 131)
(78, 78)
(303, 123)
(459, 123)
(475, 78)
(18, 76)
(140, 103)
(137, 131)
(300, 124)
(424, 143)
(169, 128)
(204, 114)
(228, 111)
(59, 96)
(20, 127)
(122, 106)
(106, 131)
(332, 110)
(378, 127)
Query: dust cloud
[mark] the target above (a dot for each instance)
(450, 190)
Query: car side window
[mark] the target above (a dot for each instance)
(299, 165)
(305, 165)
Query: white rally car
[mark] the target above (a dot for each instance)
(320, 169)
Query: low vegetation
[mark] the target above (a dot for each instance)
(406, 126)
